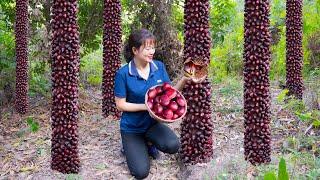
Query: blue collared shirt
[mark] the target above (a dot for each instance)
(130, 85)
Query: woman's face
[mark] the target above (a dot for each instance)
(145, 52)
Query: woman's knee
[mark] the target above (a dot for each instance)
(172, 146)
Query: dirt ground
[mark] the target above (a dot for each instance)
(26, 155)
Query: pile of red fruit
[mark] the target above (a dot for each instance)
(166, 103)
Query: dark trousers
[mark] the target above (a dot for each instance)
(136, 150)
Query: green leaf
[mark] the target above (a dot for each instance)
(282, 95)
(101, 166)
(29, 121)
(316, 123)
(34, 127)
(73, 177)
(304, 116)
(41, 152)
(270, 176)
(282, 172)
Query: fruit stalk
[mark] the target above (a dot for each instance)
(257, 56)
(197, 126)
(65, 81)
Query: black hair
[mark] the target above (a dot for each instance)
(136, 39)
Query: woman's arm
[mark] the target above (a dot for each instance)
(123, 105)
(180, 84)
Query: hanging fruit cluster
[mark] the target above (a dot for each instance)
(294, 56)
(21, 33)
(112, 34)
(257, 135)
(197, 126)
(65, 78)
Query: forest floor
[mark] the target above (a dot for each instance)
(26, 155)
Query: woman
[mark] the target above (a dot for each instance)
(131, 84)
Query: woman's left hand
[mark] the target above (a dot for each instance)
(194, 80)
(181, 83)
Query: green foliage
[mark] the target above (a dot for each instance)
(94, 80)
(291, 167)
(282, 172)
(311, 27)
(302, 149)
(7, 54)
(226, 58)
(7, 12)
(41, 151)
(311, 24)
(232, 87)
(222, 13)
(73, 177)
(33, 125)
(130, 16)
(91, 68)
(277, 13)
(304, 116)
(299, 108)
(39, 75)
(316, 123)
(177, 18)
(270, 176)
(91, 22)
(101, 166)
(278, 62)
(282, 95)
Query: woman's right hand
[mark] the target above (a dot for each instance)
(123, 105)
(144, 107)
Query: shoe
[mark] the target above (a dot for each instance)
(122, 151)
(153, 152)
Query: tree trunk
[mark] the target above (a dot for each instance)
(155, 15)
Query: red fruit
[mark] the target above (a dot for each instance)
(159, 89)
(164, 100)
(171, 93)
(156, 99)
(180, 111)
(158, 109)
(166, 86)
(178, 95)
(152, 93)
(150, 104)
(173, 106)
(181, 101)
(175, 116)
(167, 114)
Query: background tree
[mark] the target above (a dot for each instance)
(150, 15)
